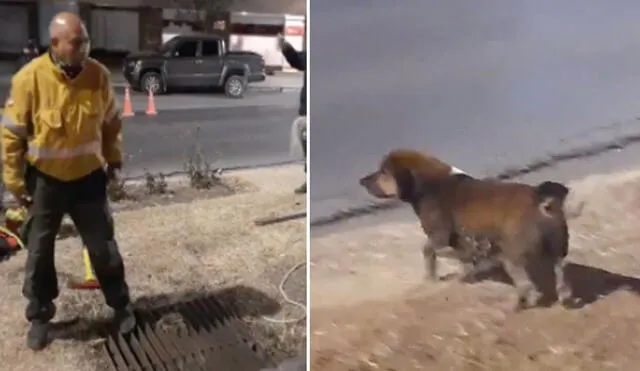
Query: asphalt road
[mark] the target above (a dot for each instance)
(188, 101)
(230, 133)
(228, 137)
(482, 84)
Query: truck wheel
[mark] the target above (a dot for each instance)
(152, 81)
(234, 87)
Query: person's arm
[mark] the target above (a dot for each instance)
(17, 115)
(112, 127)
(296, 59)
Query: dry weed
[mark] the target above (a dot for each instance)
(118, 190)
(200, 170)
(156, 184)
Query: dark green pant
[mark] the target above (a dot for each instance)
(85, 200)
(303, 141)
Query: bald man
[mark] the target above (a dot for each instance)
(61, 144)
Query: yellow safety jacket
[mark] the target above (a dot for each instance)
(66, 128)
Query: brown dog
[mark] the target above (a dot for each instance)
(517, 224)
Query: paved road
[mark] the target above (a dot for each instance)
(609, 162)
(197, 101)
(235, 136)
(481, 84)
(248, 132)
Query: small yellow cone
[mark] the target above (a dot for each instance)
(89, 274)
(90, 280)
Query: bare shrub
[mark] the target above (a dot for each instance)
(117, 190)
(156, 184)
(200, 170)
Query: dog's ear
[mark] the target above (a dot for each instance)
(409, 185)
(413, 186)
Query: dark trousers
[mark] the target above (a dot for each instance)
(304, 148)
(85, 200)
(303, 141)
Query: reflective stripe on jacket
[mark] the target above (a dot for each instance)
(66, 128)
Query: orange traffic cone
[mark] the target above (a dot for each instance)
(151, 105)
(127, 109)
(90, 281)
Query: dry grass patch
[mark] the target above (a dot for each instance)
(375, 312)
(176, 251)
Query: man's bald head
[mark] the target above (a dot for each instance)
(69, 38)
(64, 23)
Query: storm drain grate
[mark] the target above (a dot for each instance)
(199, 335)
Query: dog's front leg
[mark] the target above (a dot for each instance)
(429, 251)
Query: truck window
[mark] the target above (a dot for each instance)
(210, 48)
(187, 49)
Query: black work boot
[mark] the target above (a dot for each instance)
(38, 335)
(125, 319)
(301, 190)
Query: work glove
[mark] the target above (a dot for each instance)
(24, 200)
(113, 172)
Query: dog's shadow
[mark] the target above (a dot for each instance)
(588, 284)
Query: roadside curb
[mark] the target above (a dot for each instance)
(257, 88)
(181, 176)
(221, 111)
(178, 177)
(274, 89)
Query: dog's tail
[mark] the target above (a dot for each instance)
(551, 197)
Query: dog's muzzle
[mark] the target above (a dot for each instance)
(366, 180)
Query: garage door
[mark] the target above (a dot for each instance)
(115, 30)
(14, 26)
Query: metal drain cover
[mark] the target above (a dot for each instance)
(189, 336)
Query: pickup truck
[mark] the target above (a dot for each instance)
(194, 61)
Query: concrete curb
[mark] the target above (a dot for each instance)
(251, 88)
(221, 110)
(178, 177)
(274, 89)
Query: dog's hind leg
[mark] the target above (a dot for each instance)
(528, 296)
(563, 288)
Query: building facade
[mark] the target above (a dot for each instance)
(250, 25)
(124, 26)
(114, 25)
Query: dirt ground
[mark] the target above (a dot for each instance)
(192, 247)
(373, 310)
